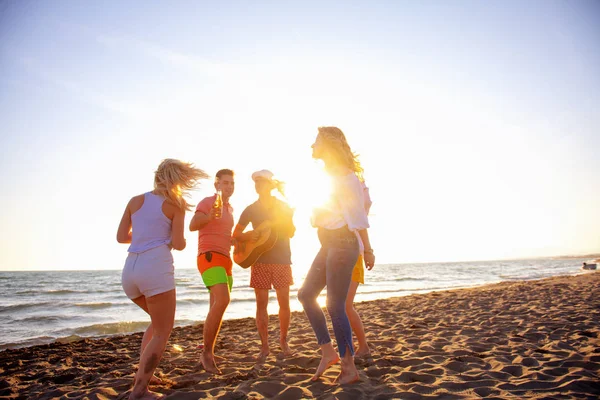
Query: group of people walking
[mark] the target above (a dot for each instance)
(153, 224)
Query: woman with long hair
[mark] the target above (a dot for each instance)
(341, 222)
(153, 224)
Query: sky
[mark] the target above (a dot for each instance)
(477, 122)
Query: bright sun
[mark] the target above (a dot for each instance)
(307, 189)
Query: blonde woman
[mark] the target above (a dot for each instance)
(153, 225)
(340, 225)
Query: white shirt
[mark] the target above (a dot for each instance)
(346, 206)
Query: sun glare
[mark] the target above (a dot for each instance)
(307, 189)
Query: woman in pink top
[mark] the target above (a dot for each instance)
(153, 224)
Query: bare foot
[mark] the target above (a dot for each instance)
(208, 362)
(349, 372)
(346, 377)
(154, 380)
(262, 356)
(285, 349)
(362, 352)
(325, 363)
(147, 395)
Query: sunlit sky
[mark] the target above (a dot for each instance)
(477, 122)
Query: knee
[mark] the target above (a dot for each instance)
(162, 334)
(304, 297)
(261, 308)
(349, 307)
(221, 302)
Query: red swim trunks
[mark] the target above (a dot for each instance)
(265, 276)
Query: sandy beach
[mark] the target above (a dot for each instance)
(525, 339)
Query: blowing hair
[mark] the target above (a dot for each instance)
(173, 179)
(338, 148)
(280, 186)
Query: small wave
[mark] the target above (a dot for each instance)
(23, 306)
(39, 319)
(192, 301)
(28, 292)
(27, 342)
(406, 279)
(63, 291)
(68, 339)
(94, 306)
(112, 328)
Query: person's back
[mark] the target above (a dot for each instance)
(153, 226)
(150, 226)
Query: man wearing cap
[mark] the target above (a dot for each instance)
(214, 260)
(273, 267)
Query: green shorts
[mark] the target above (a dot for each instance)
(215, 268)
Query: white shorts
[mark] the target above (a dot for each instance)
(149, 273)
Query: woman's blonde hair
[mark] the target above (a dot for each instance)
(337, 146)
(173, 179)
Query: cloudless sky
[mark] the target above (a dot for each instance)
(477, 122)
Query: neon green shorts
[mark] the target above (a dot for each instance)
(215, 268)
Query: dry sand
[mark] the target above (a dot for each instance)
(535, 339)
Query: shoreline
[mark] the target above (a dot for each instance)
(74, 337)
(520, 338)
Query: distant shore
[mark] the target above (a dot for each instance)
(518, 339)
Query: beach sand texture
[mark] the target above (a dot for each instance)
(525, 339)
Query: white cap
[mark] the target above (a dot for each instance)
(262, 174)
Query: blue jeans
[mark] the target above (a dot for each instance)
(332, 267)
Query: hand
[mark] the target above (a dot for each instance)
(250, 236)
(369, 260)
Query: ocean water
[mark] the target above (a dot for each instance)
(43, 307)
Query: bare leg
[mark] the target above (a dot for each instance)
(356, 323)
(283, 298)
(141, 302)
(162, 312)
(262, 323)
(212, 325)
(329, 357)
(349, 372)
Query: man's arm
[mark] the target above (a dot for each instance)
(200, 219)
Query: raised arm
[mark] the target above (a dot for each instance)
(200, 219)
